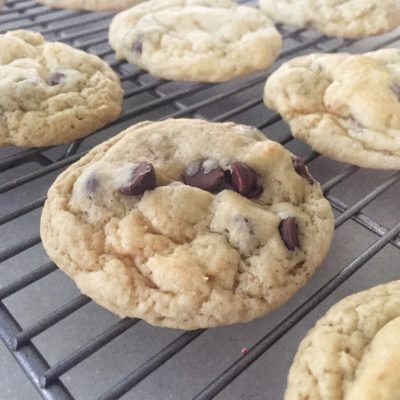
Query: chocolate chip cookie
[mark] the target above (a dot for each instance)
(353, 352)
(345, 106)
(95, 5)
(198, 40)
(343, 18)
(51, 93)
(188, 224)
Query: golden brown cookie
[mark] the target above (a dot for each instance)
(188, 224)
(198, 40)
(343, 18)
(353, 352)
(344, 106)
(51, 93)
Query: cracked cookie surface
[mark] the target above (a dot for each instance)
(353, 352)
(344, 106)
(343, 18)
(52, 93)
(199, 40)
(177, 255)
(95, 5)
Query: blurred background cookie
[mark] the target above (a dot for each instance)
(91, 5)
(198, 40)
(343, 18)
(344, 106)
(51, 93)
(353, 352)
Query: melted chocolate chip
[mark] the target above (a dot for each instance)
(206, 175)
(244, 180)
(395, 88)
(301, 169)
(356, 124)
(289, 234)
(55, 78)
(138, 45)
(309, 25)
(142, 178)
(91, 186)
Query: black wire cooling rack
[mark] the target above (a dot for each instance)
(70, 348)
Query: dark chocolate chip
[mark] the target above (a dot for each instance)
(55, 78)
(245, 181)
(138, 45)
(395, 88)
(289, 234)
(356, 123)
(301, 169)
(142, 178)
(309, 25)
(206, 175)
(91, 186)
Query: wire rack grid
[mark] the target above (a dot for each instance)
(70, 348)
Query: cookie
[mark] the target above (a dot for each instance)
(344, 106)
(198, 40)
(188, 224)
(351, 19)
(51, 93)
(353, 352)
(95, 5)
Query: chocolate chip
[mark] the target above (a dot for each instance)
(142, 178)
(91, 185)
(206, 175)
(289, 234)
(301, 169)
(309, 25)
(356, 123)
(138, 45)
(245, 181)
(55, 78)
(395, 88)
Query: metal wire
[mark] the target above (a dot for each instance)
(151, 365)
(84, 352)
(267, 341)
(46, 378)
(29, 358)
